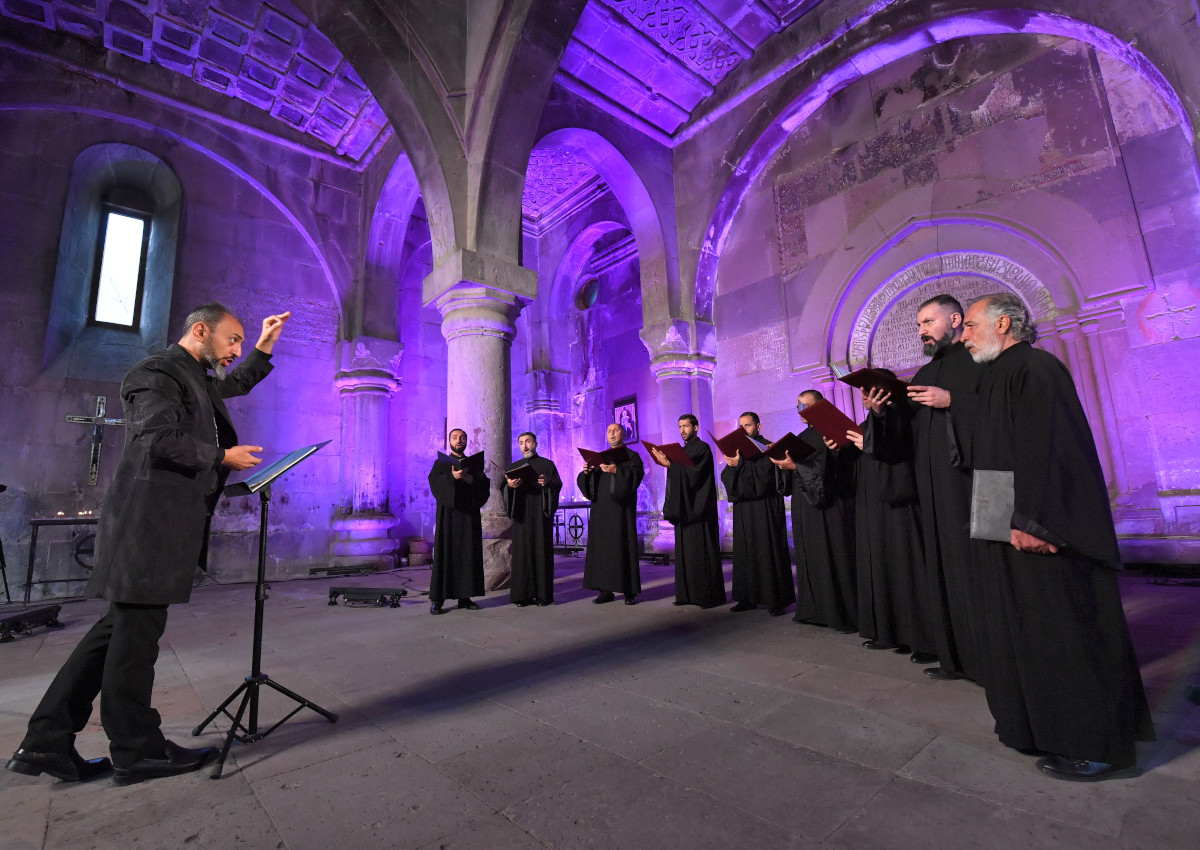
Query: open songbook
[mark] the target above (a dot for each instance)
(866, 379)
(737, 441)
(591, 458)
(673, 451)
(830, 422)
(471, 462)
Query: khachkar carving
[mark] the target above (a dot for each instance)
(365, 380)
(268, 55)
(884, 333)
(689, 31)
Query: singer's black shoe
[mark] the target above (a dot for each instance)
(177, 760)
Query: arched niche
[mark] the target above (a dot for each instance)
(655, 264)
(73, 348)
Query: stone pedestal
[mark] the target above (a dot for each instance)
(479, 298)
(366, 379)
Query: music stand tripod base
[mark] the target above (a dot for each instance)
(248, 732)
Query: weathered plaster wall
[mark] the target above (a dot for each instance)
(1030, 149)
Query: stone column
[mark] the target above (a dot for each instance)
(479, 298)
(548, 422)
(684, 386)
(365, 383)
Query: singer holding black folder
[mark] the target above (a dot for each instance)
(180, 446)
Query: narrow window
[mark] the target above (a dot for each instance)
(120, 266)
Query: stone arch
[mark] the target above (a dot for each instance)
(862, 59)
(1040, 239)
(644, 221)
(397, 73)
(503, 125)
(387, 250)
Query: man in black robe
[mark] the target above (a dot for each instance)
(180, 446)
(1062, 677)
(762, 564)
(955, 604)
(822, 490)
(892, 591)
(611, 560)
(690, 504)
(460, 491)
(531, 506)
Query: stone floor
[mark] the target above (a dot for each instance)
(600, 726)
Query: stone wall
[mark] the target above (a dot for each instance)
(240, 243)
(1019, 162)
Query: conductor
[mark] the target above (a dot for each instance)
(180, 446)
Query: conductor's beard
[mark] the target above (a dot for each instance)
(214, 362)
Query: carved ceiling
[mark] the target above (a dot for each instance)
(555, 181)
(264, 53)
(656, 60)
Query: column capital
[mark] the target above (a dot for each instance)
(677, 350)
(364, 365)
(472, 270)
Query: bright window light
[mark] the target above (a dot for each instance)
(120, 268)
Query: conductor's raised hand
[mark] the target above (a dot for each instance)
(241, 457)
(786, 463)
(929, 396)
(271, 329)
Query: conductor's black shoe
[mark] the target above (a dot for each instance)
(778, 612)
(603, 596)
(941, 674)
(68, 768)
(542, 603)
(436, 608)
(630, 599)
(178, 760)
(1082, 770)
(874, 644)
(923, 657)
(468, 604)
(743, 606)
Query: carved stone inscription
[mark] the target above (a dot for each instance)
(885, 331)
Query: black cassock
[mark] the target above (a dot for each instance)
(762, 564)
(822, 491)
(892, 588)
(532, 508)
(1061, 673)
(458, 536)
(954, 583)
(690, 505)
(611, 562)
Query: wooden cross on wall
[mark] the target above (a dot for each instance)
(97, 422)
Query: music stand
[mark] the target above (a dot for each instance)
(260, 483)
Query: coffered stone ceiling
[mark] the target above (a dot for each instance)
(651, 62)
(263, 52)
(656, 60)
